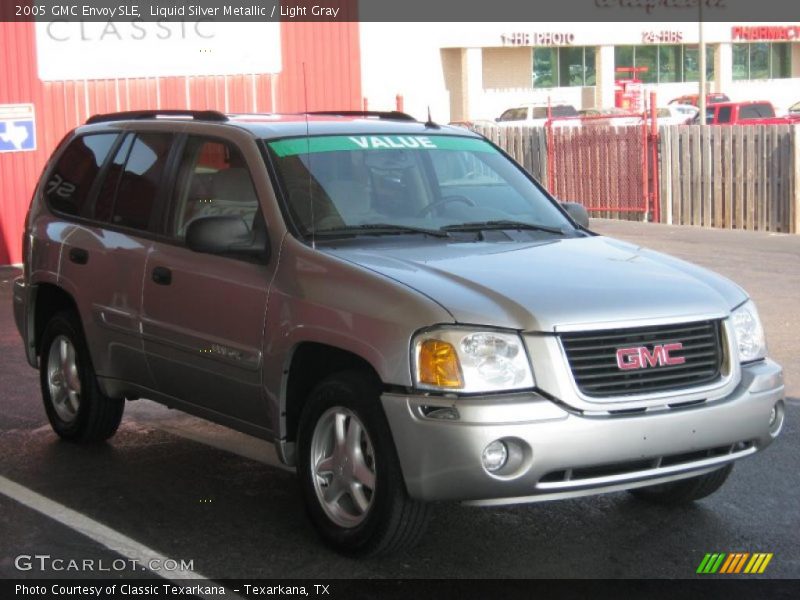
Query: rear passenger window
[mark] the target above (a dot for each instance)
(756, 111)
(69, 184)
(104, 204)
(213, 180)
(140, 180)
(724, 114)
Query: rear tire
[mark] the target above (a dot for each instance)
(685, 490)
(349, 472)
(76, 408)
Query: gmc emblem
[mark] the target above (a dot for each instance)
(641, 358)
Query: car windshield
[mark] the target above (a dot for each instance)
(405, 183)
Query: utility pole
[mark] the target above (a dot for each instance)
(701, 51)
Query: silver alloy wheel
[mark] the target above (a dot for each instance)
(63, 379)
(343, 466)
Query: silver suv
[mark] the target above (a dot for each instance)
(397, 305)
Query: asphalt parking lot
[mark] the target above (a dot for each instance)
(170, 485)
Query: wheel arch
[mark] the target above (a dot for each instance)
(48, 300)
(307, 365)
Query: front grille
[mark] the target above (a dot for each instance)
(592, 357)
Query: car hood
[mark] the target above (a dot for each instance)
(558, 283)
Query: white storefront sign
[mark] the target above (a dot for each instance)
(120, 49)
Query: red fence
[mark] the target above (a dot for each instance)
(605, 168)
(333, 73)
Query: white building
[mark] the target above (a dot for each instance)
(469, 71)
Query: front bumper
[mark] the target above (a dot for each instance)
(556, 453)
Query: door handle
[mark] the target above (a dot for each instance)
(79, 256)
(162, 275)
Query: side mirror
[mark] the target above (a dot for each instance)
(578, 213)
(225, 235)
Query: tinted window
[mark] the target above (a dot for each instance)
(724, 114)
(104, 204)
(515, 114)
(559, 110)
(140, 180)
(213, 180)
(756, 111)
(68, 187)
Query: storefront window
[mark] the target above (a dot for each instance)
(564, 67)
(691, 63)
(647, 57)
(570, 67)
(623, 56)
(589, 61)
(741, 61)
(670, 65)
(545, 67)
(665, 64)
(761, 60)
(780, 61)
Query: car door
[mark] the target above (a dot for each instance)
(104, 253)
(203, 314)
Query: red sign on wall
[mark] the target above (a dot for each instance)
(547, 38)
(787, 33)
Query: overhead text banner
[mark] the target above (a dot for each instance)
(405, 10)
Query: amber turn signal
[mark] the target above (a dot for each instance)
(438, 365)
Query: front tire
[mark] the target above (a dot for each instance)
(685, 490)
(76, 408)
(349, 472)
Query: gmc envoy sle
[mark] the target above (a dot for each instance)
(397, 305)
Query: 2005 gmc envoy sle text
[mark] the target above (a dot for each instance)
(398, 305)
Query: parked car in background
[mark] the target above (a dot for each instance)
(473, 124)
(536, 114)
(676, 114)
(694, 99)
(794, 109)
(609, 116)
(759, 112)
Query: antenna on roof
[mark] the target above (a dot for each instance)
(308, 164)
(429, 122)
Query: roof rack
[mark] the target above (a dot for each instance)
(393, 115)
(197, 115)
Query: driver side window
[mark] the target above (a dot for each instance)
(213, 180)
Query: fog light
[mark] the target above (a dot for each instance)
(495, 456)
(776, 417)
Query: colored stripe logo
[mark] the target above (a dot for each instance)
(734, 563)
(339, 143)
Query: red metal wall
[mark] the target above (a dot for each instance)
(333, 74)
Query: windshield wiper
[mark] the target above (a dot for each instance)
(501, 224)
(380, 229)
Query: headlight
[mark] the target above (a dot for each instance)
(749, 333)
(470, 361)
